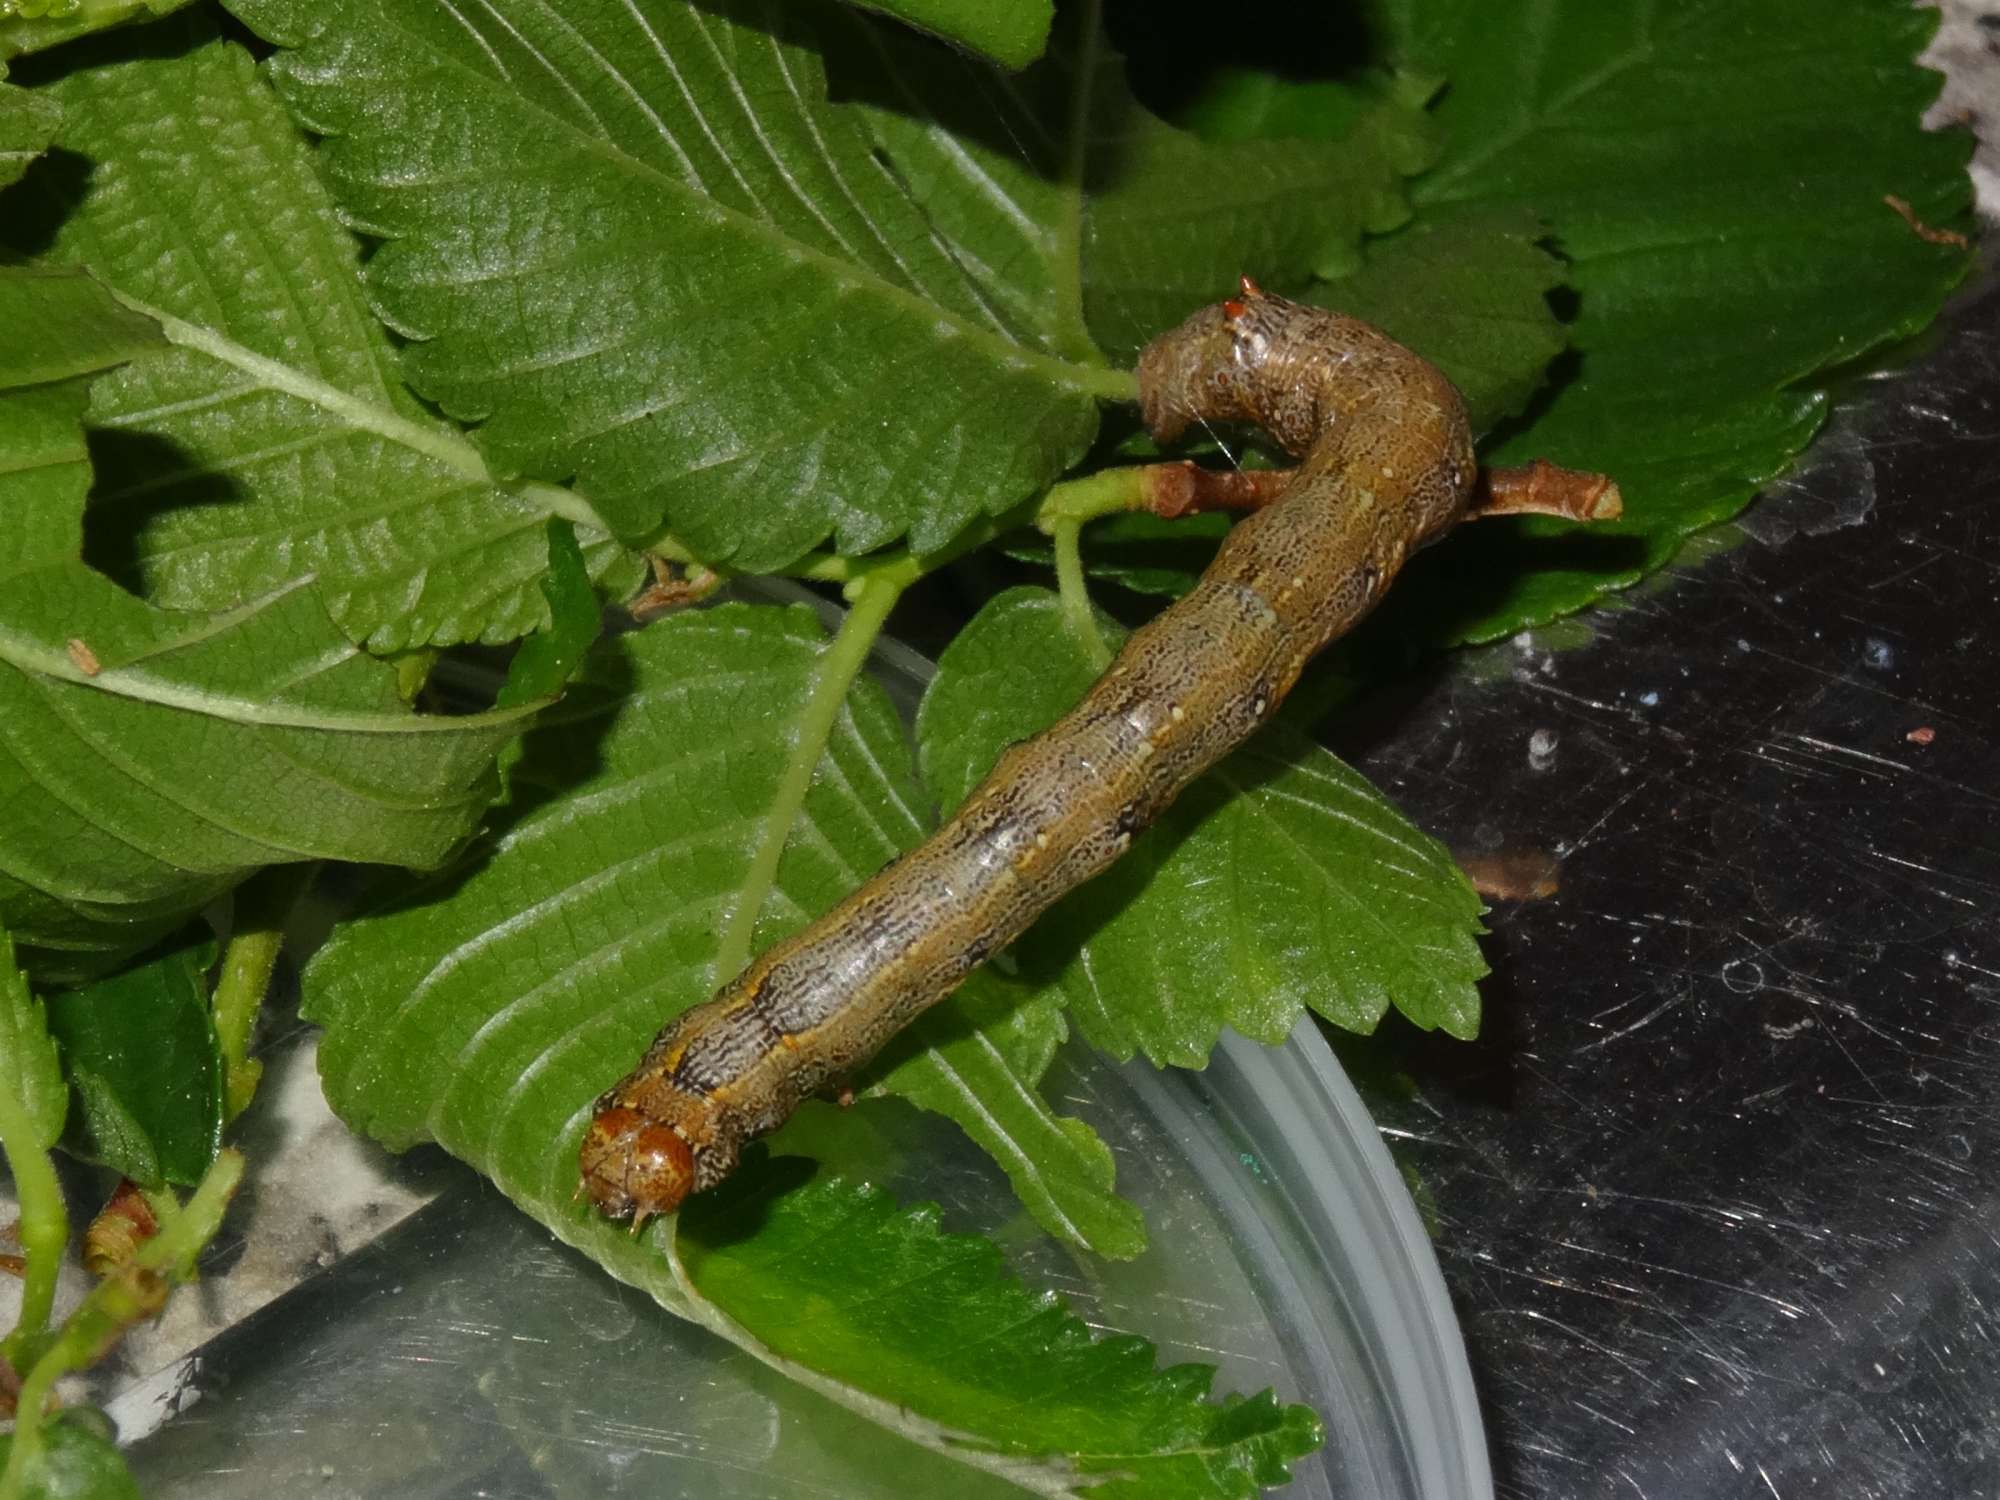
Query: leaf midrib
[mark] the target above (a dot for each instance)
(1100, 381)
(1076, 154)
(1427, 188)
(1062, 254)
(34, 658)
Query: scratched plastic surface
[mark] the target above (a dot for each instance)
(466, 1354)
(1718, 1192)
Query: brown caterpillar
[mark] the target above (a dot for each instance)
(1386, 466)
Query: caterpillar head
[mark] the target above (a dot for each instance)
(634, 1167)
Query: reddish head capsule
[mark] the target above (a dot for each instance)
(633, 1166)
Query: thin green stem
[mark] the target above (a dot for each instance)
(1107, 492)
(1102, 494)
(262, 906)
(1075, 594)
(179, 1242)
(901, 569)
(1105, 382)
(872, 597)
(165, 1204)
(44, 1227)
(114, 1305)
(33, 1397)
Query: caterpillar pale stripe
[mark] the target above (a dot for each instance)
(1386, 465)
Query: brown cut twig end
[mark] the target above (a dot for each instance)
(675, 586)
(1545, 489)
(1173, 490)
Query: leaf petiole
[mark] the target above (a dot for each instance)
(1075, 594)
(34, 1099)
(1104, 493)
(262, 905)
(1107, 492)
(44, 1227)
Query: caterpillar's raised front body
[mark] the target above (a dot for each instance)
(1385, 466)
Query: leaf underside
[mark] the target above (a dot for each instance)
(618, 232)
(809, 1268)
(150, 760)
(277, 442)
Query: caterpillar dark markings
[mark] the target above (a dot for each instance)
(1386, 465)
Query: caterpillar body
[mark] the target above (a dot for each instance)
(1386, 465)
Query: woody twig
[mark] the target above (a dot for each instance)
(1173, 490)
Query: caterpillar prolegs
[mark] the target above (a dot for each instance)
(1386, 465)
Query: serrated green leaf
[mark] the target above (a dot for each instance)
(978, 1060)
(529, 980)
(837, 1279)
(1716, 175)
(140, 1046)
(1173, 220)
(1469, 292)
(28, 122)
(986, 158)
(1139, 222)
(547, 659)
(58, 323)
(275, 441)
(637, 245)
(150, 760)
(35, 25)
(1011, 32)
(1280, 881)
(29, 1067)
